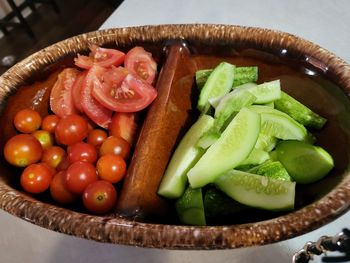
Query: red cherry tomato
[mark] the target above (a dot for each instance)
(27, 120)
(133, 94)
(117, 146)
(76, 90)
(44, 137)
(100, 197)
(36, 178)
(103, 57)
(140, 63)
(123, 125)
(96, 137)
(59, 191)
(82, 151)
(49, 123)
(61, 99)
(92, 108)
(79, 175)
(53, 156)
(22, 150)
(111, 168)
(64, 164)
(71, 129)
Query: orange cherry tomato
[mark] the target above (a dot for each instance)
(27, 120)
(111, 168)
(53, 156)
(45, 138)
(36, 178)
(58, 189)
(117, 146)
(49, 123)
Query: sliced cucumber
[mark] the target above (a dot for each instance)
(233, 146)
(299, 112)
(304, 162)
(266, 142)
(265, 92)
(255, 157)
(190, 208)
(257, 191)
(272, 169)
(185, 156)
(278, 124)
(218, 84)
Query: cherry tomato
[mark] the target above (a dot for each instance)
(100, 197)
(53, 156)
(140, 63)
(44, 137)
(27, 120)
(133, 94)
(49, 123)
(92, 108)
(61, 99)
(76, 90)
(117, 146)
(71, 129)
(82, 151)
(96, 137)
(111, 168)
(64, 164)
(123, 125)
(103, 57)
(79, 175)
(22, 150)
(36, 178)
(59, 191)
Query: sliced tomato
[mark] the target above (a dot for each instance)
(61, 101)
(140, 63)
(76, 90)
(92, 108)
(123, 125)
(133, 94)
(103, 57)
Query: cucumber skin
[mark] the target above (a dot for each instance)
(185, 156)
(250, 189)
(226, 153)
(299, 112)
(266, 92)
(216, 86)
(272, 169)
(190, 207)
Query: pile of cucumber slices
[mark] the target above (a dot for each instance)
(251, 142)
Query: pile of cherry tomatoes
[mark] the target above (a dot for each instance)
(64, 152)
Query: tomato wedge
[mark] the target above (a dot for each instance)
(76, 90)
(140, 63)
(123, 125)
(61, 101)
(103, 57)
(133, 94)
(92, 108)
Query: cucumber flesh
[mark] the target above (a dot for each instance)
(190, 208)
(185, 156)
(234, 145)
(299, 112)
(265, 92)
(218, 84)
(304, 162)
(256, 157)
(272, 169)
(266, 142)
(257, 191)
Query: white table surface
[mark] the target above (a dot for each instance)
(321, 21)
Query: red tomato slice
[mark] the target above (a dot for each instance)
(123, 125)
(61, 101)
(133, 95)
(76, 90)
(140, 63)
(103, 57)
(92, 108)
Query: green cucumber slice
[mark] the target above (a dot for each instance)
(185, 156)
(257, 191)
(234, 145)
(272, 169)
(304, 162)
(190, 208)
(265, 92)
(299, 112)
(266, 142)
(255, 157)
(218, 84)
